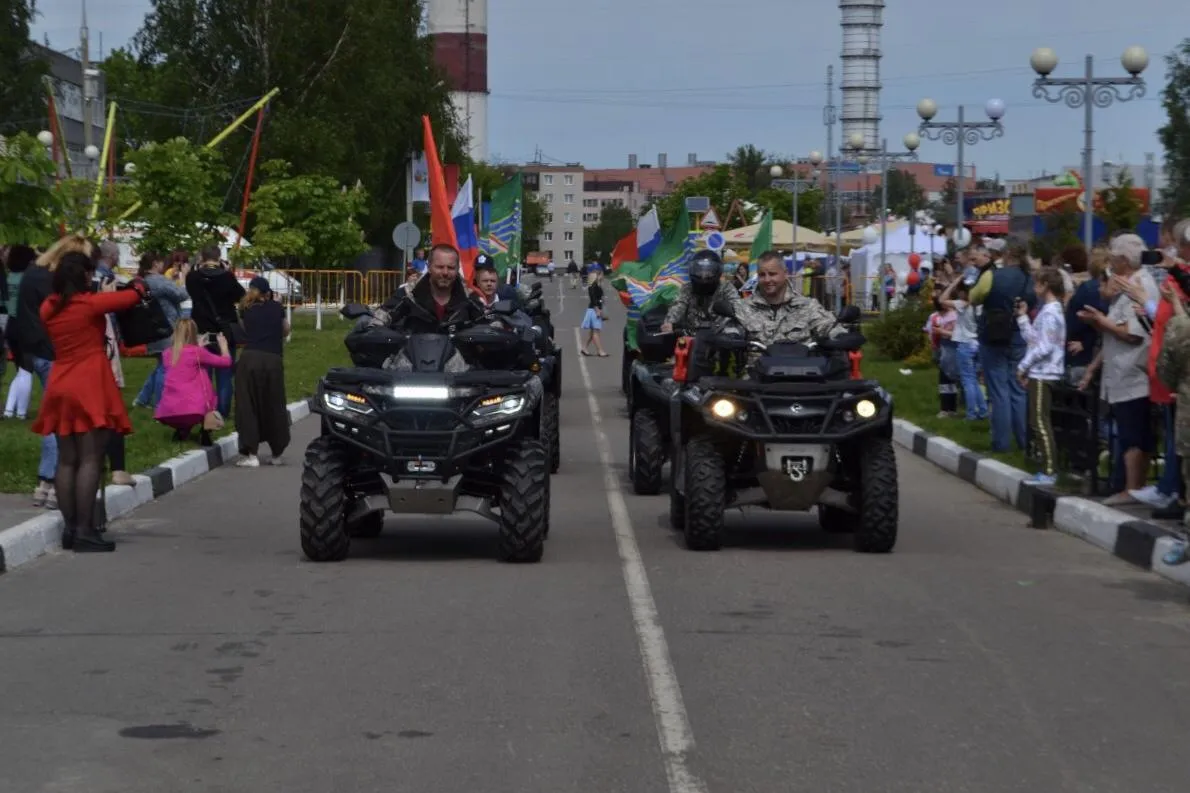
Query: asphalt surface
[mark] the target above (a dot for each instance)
(207, 655)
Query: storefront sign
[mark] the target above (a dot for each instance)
(1066, 199)
(987, 209)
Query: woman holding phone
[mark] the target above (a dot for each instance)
(188, 398)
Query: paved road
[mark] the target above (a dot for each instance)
(207, 656)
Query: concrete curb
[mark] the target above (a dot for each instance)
(27, 541)
(1138, 542)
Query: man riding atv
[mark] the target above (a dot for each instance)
(440, 292)
(795, 427)
(778, 312)
(705, 288)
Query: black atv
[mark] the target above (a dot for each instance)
(452, 420)
(650, 387)
(549, 356)
(796, 431)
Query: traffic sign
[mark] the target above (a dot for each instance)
(710, 220)
(406, 236)
(715, 241)
(697, 203)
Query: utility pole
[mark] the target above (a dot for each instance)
(85, 58)
(829, 117)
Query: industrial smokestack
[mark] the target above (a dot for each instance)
(459, 29)
(862, 22)
(632, 161)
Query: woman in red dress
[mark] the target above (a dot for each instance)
(82, 403)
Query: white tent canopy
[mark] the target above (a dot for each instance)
(899, 244)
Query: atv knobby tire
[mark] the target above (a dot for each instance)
(876, 527)
(706, 495)
(646, 452)
(524, 502)
(677, 502)
(550, 433)
(323, 500)
(626, 368)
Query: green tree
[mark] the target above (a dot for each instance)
(809, 205)
(181, 187)
(22, 97)
(355, 78)
(722, 185)
(1063, 227)
(309, 220)
(905, 195)
(614, 224)
(1175, 135)
(1122, 209)
(751, 166)
(32, 205)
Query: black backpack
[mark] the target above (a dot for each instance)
(1000, 323)
(144, 323)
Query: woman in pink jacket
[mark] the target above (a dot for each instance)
(188, 399)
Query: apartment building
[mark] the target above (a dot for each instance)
(560, 189)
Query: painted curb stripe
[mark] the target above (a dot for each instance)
(39, 535)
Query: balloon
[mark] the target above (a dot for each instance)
(914, 261)
(913, 279)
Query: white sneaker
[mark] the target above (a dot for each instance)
(1152, 497)
(248, 461)
(277, 461)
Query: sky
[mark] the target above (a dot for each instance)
(593, 81)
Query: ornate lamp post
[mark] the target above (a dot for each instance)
(794, 186)
(960, 133)
(1089, 92)
(912, 142)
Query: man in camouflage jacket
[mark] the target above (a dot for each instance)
(690, 310)
(777, 312)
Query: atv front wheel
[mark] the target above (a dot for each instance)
(876, 529)
(550, 431)
(524, 503)
(321, 513)
(706, 495)
(646, 454)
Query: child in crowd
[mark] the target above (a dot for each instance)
(940, 328)
(1044, 363)
(188, 398)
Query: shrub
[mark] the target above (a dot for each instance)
(898, 334)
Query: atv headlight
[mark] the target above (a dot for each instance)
(723, 408)
(346, 402)
(419, 393)
(865, 408)
(500, 407)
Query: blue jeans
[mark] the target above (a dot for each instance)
(1171, 477)
(977, 405)
(1008, 399)
(150, 392)
(47, 469)
(223, 384)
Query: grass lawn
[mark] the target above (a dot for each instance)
(915, 399)
(307, 358)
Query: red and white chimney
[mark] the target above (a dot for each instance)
(460, 32)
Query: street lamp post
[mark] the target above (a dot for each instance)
(794, 186)
(912, 142)
(960, 133)
(1089, 92)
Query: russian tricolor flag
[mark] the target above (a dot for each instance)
(639, 244)
(462, 214)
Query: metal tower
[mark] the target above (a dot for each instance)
(862, 21)
(460, 32)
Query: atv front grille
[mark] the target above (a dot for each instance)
(793, 425)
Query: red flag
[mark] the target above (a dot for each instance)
(625, 250)
(451, 175)
(442, 228)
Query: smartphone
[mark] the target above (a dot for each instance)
(1152, 258)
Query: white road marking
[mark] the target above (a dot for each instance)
(669, 711)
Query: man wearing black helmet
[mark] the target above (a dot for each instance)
(778, 312)
(705, 287)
